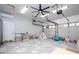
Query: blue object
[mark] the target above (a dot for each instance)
(58, 38)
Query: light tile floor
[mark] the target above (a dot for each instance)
(34, 46)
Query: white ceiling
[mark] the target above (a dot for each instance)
(73, 9)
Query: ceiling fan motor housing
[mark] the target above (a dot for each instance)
(59, 12)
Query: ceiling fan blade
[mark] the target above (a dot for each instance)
(42, 13)
(36, 15)
(34, 8)
(46, 8)
(39, 6)
(54, 5)
(11, 6)
(46, 11)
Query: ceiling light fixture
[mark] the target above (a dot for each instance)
(24, 10)
(63, 8)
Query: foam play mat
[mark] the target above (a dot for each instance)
(63, 51)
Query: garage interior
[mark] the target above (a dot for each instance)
(39, 28)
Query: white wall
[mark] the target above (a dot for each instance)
(18, 25)
(23, 25)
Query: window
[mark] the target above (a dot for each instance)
(72, 24)
(60, 25)
(65, 25)
(77, 24)
(51, 26)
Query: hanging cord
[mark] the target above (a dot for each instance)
(57, 32)
(42, 28)
(68, 25)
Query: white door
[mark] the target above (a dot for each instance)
(8, 31)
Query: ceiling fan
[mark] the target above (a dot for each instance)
(40, 10)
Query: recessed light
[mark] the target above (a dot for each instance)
(42, 16)
(24, 10)
(54, 11)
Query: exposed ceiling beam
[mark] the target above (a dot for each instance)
(34, 23)
(50, 21)
(54, 5)
(38, 21)
(11, 6)
(65, 17)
